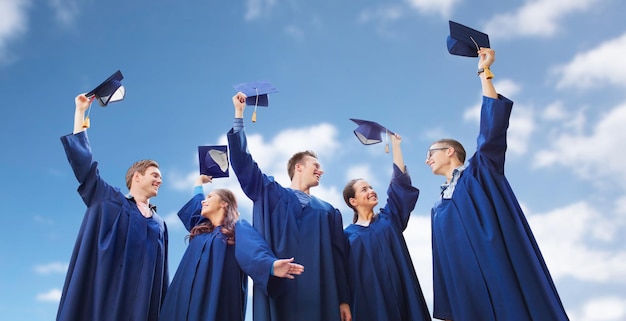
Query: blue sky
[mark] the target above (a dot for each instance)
(561, 62)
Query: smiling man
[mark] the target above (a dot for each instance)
(295, 224)
(118, 269)
(486, 262)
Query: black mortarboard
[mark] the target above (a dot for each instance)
(213, 160)
(256, 93)
(465, 41)
(109, 91)
(370, 132)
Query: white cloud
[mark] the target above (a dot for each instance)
(600, 66)
(554, 111)
(441, 7)
(595, 156)
(256, 9)
(363, 171)
(173, 222)
(534, 18)
(272, 157)
(53, 295)
(54, 267)
(565, 235)
(13, 23)
(381, 14)
(65, 10)
(418, 240)
(602, 309)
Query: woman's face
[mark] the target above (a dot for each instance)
(364, 195)
(212, 204)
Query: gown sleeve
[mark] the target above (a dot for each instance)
(256, 258)
(189, 214)
(494, 122)
(401, 198)
(92, 188)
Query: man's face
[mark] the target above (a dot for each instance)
(438, 158)
(311, 171)
(150, 181)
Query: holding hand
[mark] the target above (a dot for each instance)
(284, 268)
(203, 179)
(82, 102)
(486, 57)
(239, 101)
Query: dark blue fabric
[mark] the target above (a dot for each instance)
(118, 269)
(256, 258)
(312, 234)
(383, 282)
(486, 262)
(208, 284)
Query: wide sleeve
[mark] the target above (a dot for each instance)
(92, 188)
(494, 123)
(340, 257)
(401, 198)
(256, 258)
(189, 214)
(250, 177)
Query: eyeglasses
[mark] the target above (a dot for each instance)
(429, 153)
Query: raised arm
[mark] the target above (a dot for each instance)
(82, 104)
(401, 195)
(250, 177)
(78, 151)
(239, 101)
(486, 58)
(396, 151)
(494, 118)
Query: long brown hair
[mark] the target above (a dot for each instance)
(348, 193)
(230, 218)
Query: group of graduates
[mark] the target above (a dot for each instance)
(486, 262)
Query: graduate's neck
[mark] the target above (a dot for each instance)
(297, 185)
(365, 217)
(450, 170)
(216, 218)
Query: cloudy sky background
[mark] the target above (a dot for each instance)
(561, 62)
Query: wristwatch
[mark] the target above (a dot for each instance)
(487, 72)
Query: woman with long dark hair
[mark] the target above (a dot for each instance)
(383, 282)
(209, 284)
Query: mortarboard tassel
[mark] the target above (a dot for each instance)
(387, 141)
(256, 103)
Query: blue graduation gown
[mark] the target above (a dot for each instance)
(486, 262)
(118, 269)
(208, 284)
(312, 234)
(383, 282)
